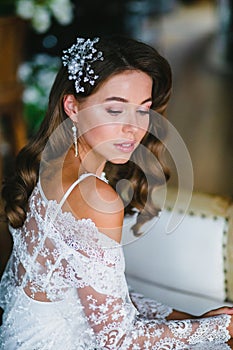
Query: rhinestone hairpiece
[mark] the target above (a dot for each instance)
(78, 58)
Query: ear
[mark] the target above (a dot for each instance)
(71, 107)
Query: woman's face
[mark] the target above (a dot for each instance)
(112, 122)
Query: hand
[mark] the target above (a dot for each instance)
(221, 310)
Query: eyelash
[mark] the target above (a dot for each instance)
(117, 112)
(143, 112)
(113, 112)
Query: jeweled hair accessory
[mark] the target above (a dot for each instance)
(78, 58)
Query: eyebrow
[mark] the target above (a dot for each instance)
(121, 99)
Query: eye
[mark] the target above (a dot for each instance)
(143, 112)
(113, 111)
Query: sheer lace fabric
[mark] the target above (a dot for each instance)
(64, 287)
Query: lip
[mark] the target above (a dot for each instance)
(125, 146)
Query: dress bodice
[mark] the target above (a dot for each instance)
(66, 276)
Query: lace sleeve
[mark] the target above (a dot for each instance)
(149, 308)
(69, 256)
(116, 324)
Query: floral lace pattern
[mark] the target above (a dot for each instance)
(64, 286)
(149, 308)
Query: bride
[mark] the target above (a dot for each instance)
(64, 286)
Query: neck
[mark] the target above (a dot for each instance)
(91, 162)
(84, 168)
(77, 166)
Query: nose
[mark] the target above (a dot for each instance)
(129, 128)
(131, 124)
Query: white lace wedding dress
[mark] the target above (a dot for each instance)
(64, 288)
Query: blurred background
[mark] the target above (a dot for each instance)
(194, 35)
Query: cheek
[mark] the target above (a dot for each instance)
(143, 129)
(140, 136)
(100, 135)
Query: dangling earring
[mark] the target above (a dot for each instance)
(75, 140)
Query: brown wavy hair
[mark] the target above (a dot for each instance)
(120, 54)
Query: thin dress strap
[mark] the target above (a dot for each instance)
(67, 193)
(81, 177)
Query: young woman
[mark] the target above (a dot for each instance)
(64, 286)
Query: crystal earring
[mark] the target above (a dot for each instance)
(75, 140)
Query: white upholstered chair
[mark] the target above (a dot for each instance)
(190, 268)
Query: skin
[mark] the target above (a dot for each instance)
(116, 114)
(111, 124)
(112, 135)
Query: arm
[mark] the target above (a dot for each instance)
(98, 272)
(116, 324)
(152, 309)
(179, 315)
(149, 308)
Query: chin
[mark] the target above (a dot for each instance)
(119, 160)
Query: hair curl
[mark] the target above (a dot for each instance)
(120, 54)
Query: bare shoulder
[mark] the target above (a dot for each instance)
(97, 200)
